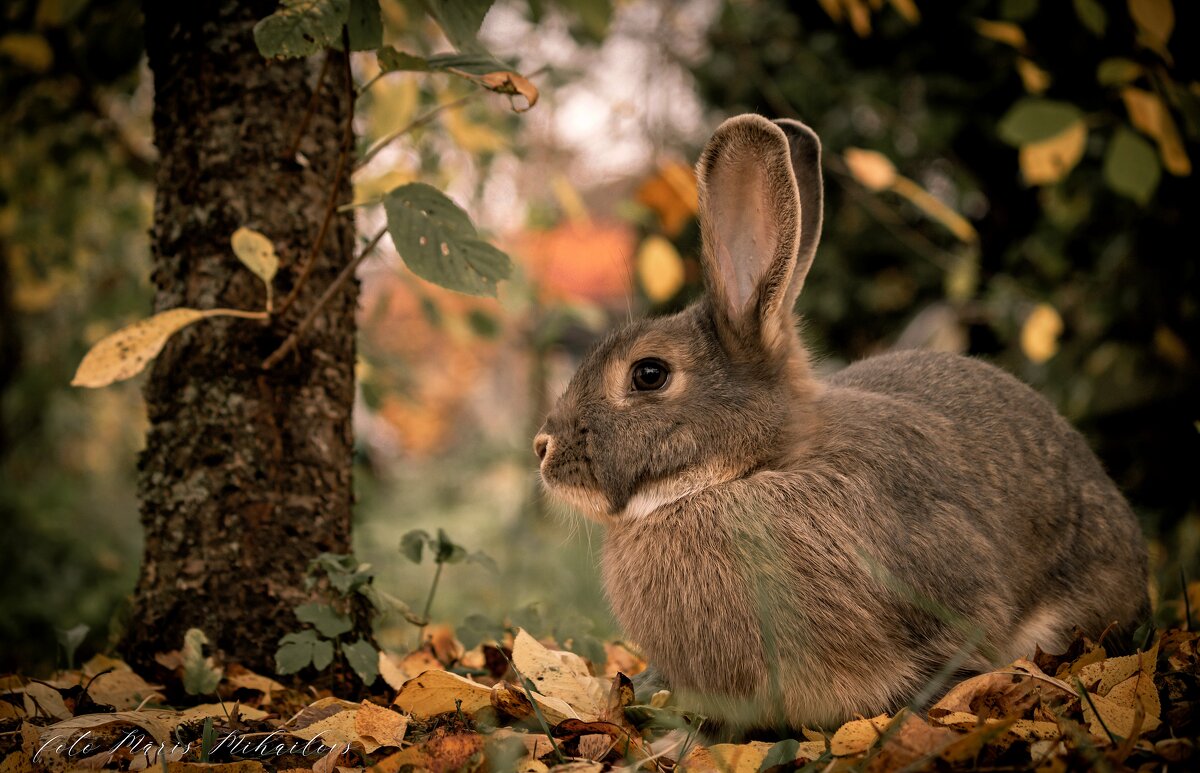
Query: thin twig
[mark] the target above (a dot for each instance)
(416, 123)
(334, 187)
(290, 153)
(347, 272)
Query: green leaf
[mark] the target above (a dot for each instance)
(1018, 10)
(483, 324)
(531, 617)
(364, 659)
(199, 676)
(391, 60)
(1117, 71)
(322, 654)
(365, 25)
(459, 19)
(324, 618)
(782, 753)
(1131, 166)
(438, 242)
(413, 543)
(295, 652)
(301, 28)
(1032, 120)
(477, 629)
(1092, 15)
(484, 560)
(448, 551)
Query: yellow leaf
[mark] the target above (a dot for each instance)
(569, 199)
(728, 757)
(27, 49)
(936, 209)
(907, 9)
(833, 8)
(126, 352)
(1039, 334)
(1001, 31)
(437, 692)
(256, 252)
(857, 736)
(659, 269)
(860, 17)
(1034, 78)
(1049, 160)
(561, 675)
(671, 193)
(874, 170)
(1155, 20)
(222, 711)
(470, 136)
(1151, 117)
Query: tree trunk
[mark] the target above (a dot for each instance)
(246, 474)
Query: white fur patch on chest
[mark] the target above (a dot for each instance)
(662, 493)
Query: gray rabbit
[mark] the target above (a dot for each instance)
(794, 550)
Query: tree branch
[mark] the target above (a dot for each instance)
(347, 272)
(334, 186)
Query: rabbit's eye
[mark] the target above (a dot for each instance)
(649, 375)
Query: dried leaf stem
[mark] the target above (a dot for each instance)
(294, 146)
(334, 286)
(416, 123)
(334, 186)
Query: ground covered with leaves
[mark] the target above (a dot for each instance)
(529, 706)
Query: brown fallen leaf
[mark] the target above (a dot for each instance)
(377, 726)
(912, 741)
(397, 671)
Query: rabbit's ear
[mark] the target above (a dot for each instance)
(806, 165)
(750, 222)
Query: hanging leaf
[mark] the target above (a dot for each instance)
(513, 85)
(1040, 332)
(1155, 20)
(365, 25)
(1033, 120)
(1049, 160)
(1131, 166)
(874, 170)
(459, 19)
(1092, 15)
(481, 69)
(258, 254)
(1001, 32)
(1033, 78)
(1151, 117)
(659, 269)
(1117, 72)
(438, 243)
(302, 28)
(126, 352)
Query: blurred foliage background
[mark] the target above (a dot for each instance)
(1005, 178)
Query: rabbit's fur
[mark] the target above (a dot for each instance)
(793, 550)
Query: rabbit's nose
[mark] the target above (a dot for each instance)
(541, 446)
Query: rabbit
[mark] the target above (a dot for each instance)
(795, 551)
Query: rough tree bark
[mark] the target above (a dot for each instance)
(246, 474)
